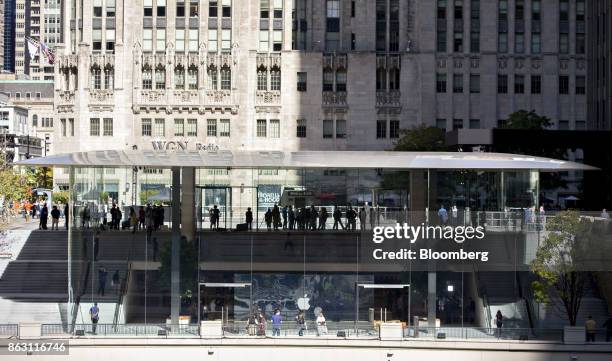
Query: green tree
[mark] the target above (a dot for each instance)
(528, 120)
(188, 266)
(560, 283)
(421, 138)
(60, 197)
(145, 195)
(43, 177)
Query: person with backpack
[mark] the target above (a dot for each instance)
(94, 314)
(55, 216)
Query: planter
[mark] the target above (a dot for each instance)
(211, 329)
(574, 335)
(391, 331)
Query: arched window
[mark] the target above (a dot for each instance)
(262, 78)
(179, 77)
(96, 77)
(212, 78)
(226, 78)
(147, 77)
(275, 79)
(109, 77)
(160, 77)
(192, 77)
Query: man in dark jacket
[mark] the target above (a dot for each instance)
(55, 215)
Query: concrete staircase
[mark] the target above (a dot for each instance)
(502, 293)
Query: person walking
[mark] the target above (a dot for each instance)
(300, 320)
(291, 216)
(608, 326)
(591, 326)
(102, 274)
(115, 281)
(277, 320)
(133, 220)
(499, 321)
(248, 218)
(323, 215)
(55, 215)
(268, 219)
(337, 214)
(66, 215)
(44, 216)
(94, 314)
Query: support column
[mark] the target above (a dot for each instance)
(431, 299)
(175, 284)
(188, 207)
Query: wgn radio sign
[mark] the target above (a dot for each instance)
(412, 234)
(183, 145)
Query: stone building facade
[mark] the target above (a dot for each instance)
(310, 74)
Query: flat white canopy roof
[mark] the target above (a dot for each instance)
(305, 159)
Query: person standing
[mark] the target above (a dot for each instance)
(604, 214)
(454, 215)
(66, 215)
(443, 214)
(94, 314)
(300, 320)
(277, 320)
(115, 281)
(102, 274)
(141, 218)
(248, 218)
(362, 219)
(321, 324)
(276, 217)
(133, 219)
(268, 219)
(113, 213)
(323, 218)
(590, 325)
(55, 215)
(608, 326)
(499, 322)
(217, 216)
(337, 214)
(44, 216)
(291, 216)
(284, 213)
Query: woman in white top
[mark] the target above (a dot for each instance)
(321, 324)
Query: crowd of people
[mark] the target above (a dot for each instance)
(149, 217)
(257, 323)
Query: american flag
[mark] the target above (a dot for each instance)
(48, 53)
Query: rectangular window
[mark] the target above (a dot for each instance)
(475, 26)
(441, 123)
(278, 9)
(159, 129)
(211, 127)
(192, 127)
(108, 127)
(96, 39)
(261, 130)
(97, 8)
(147, 39)
(474, 83)
(340, 128)
(340, 81)
(146, 127)
(274, 128)
(536, 84)
(264, 40)
(147, 78)
(224, 128)
(563, 84)
(301, 128)
(536, 43)
(457, 124)
(110, 9)
(180, 39)
(193, 10)
(502, 84)
(502, 26)
(148, 8)
(226, 78)
(441, 82)
(96, 78)
(71, 126)
(192, 78)
(110, 40)
(580, 85)
(277, 40)
(193, 40)
(160, 78)
(226, 8)
(94, 127)
(262, 79)
(328, 128)
(302, 84)
(394, 129)
(179, 78)
(160, 40)
(213, 8)
(212, 78)
(381, 129)
(457, 83)
(519, 84)
(328, 80)
(519, 43)
(63, 127)
(264, 9)
(441, 26)
(179, 128)
(180, 8)
(212, 40)
(474, 123)
(226, 39)
(161, 8)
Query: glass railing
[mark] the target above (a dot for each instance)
(9, 330)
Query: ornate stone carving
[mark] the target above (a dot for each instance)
(328, 61)
(334, 98)
(441, 63)
(388, 99)
(458, 63)
(101, 96)
(475, 62)
(152, 96)
(218, 96)
(502, 63)
(267, 97)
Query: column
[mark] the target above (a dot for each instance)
(175, 286)
(188, 226)
(431, 298)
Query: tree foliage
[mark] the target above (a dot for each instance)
(528, 120)
(421, 138)
(560, 283)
